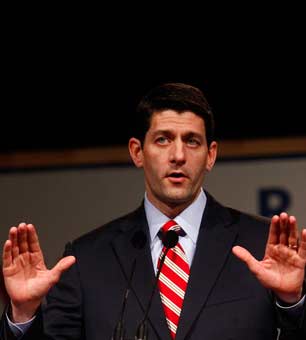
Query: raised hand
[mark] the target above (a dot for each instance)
(26, 278)
(283, 267)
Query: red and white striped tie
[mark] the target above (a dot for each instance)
(173, 280)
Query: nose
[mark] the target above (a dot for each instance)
(178, 153)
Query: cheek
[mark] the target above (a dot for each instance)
(151, 169)
(154, 168)
(154, 159)
(200, 169)
(199, 175)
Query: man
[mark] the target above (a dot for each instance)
(213, 295)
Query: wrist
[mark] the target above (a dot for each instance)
(292, 298)
(22, 313)
(288, 302)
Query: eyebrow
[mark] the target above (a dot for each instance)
(185, 134)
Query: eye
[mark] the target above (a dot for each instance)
(162, 140)
(193, 141)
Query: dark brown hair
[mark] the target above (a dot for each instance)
(178, 97)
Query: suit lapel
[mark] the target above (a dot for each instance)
(214, 244)
(144, 276)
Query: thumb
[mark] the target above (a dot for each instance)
(245, 256)
(61, 266)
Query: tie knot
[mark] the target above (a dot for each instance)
(172, 225)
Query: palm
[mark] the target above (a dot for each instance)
(27, 278)
(283, 268)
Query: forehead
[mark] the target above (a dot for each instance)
(173, 120)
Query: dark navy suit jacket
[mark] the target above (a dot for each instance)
(223, 300)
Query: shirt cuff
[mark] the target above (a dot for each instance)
(19, 328)
(294, 311)
(297, 306)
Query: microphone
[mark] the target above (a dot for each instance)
(138, 241)
(169, 239)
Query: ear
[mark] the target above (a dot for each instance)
(212, 155)
(135, 150)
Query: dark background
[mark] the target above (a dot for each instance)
(78, 86)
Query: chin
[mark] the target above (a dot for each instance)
(177, 196)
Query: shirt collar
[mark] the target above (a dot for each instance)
(189, 219)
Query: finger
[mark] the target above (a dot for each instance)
(13, 238)
(245, 256)
(302, 245)
(63, 264)
(7, 254)
(22, 238)
(33, 241)
(282, 253)
(284, 229)
(293, 231)
(274, 231)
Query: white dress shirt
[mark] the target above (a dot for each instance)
(189, 220)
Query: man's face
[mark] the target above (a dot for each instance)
(175, 158)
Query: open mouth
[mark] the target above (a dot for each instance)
(176, 175)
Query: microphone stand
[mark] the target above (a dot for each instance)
(119, 331)
(142, 330)
(138, 241)
(170, 240)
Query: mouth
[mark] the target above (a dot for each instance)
(176, 177)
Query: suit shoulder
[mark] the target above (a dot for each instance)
(250, 218)
(109, 230)
(229, 216)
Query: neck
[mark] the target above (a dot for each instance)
(170, 209)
